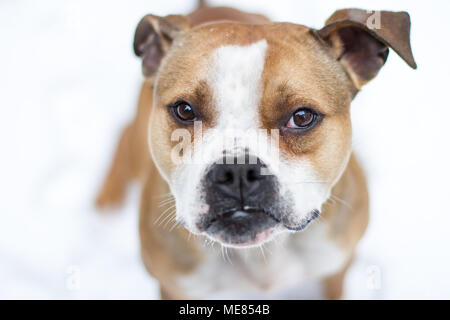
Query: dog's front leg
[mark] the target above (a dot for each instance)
(334, 285)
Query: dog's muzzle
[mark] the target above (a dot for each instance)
(242, 201)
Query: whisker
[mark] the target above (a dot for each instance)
(166, 210)
(174, 225)
(168, 221)
(162, 214)
(223, 255)
(268, 250)
(342, 201)
(164, 195)
(168, 216)
(262, 252)
(228, 257)
(319, 219)
(165, 202)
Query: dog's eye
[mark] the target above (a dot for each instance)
(184, 111)
(302, 119)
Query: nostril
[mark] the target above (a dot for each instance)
(225, 177)
(229, 177)
(237, 180)
(252, 175)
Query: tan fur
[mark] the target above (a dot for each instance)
(334, 284)
(132, 157)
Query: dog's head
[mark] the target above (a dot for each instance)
(250, 124)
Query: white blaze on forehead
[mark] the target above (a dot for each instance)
(235, 79)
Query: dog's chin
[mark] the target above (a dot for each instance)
(241, 243)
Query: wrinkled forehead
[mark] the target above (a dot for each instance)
(227, 62)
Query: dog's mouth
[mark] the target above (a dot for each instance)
(246, 227)
(241, 227)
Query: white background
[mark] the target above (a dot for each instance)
(68, 85)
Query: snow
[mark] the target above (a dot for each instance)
(68, 85)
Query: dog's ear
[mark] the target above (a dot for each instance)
(361, 40)
(153, 37)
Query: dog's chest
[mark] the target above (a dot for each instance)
(288, 267)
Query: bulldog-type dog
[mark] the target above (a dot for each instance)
(236, 219)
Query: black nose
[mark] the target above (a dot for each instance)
(242, 200)
(238, 177)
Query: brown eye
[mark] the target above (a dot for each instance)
(184, 111)
(302, 119)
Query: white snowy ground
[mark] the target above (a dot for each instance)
(68, 85)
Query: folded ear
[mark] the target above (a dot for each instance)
(153, 37)
(361, 40)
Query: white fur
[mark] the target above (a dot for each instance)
(235, 79)
(288, 267)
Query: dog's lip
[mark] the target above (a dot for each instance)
(260, 238)
(242, 212)
(238, 213)
(314, 214)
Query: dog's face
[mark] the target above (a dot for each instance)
(236, 80)
(250, 124)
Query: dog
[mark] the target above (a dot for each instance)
(303, 201)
